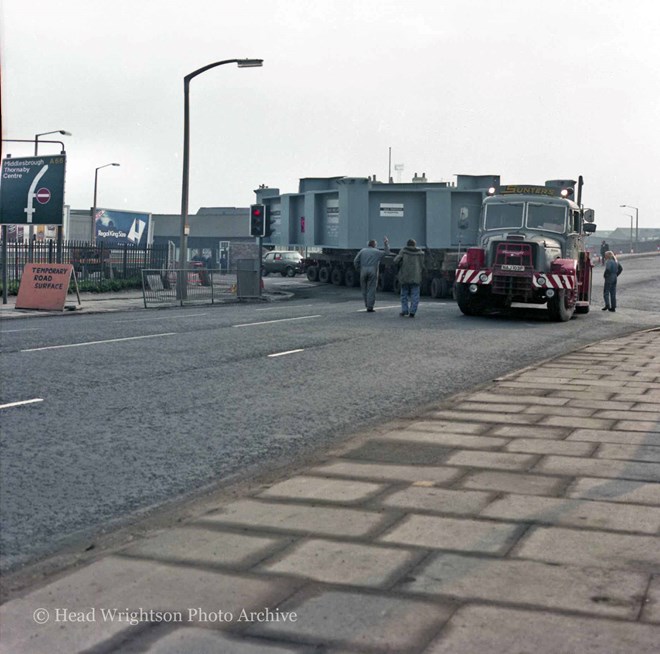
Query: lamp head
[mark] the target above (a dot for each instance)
(250, 63)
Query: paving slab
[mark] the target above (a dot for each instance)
(372, 622)
(296, 518)
(539, 446)
(338, 562)
(439, 500)
(85, 608)
(450, 426)
(446, 440)
(499, 460)
(517, 399)
(614, 593)
(590, 548)
(480, 629)
(651, 612)
(530, 431)
(564, 511)
(329, 490)
(388, 472)
(629, 452)
(205, 546)
(616, 490)
(614, 436)
(580, 467)
(387, 451)
(483, 416)
(453, 534)
(511, 482)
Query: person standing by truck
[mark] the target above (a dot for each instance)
(604, 247)
(367, 262)
(410, 261)
(610, 274)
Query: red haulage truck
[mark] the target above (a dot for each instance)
(531, 250)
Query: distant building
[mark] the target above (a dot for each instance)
(621, 241)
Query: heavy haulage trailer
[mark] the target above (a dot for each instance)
(332, 218)
(530, 250)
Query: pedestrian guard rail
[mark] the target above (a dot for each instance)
(195, 285)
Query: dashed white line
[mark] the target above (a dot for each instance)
(110, 340)
(21, 403)
(268, 322)
(281, 354)
(191, 315)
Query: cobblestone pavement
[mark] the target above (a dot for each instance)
(519, 517)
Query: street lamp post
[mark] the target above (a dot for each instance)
(36, 138)
(631, 232)
(183, 243)
(629, 206)
(96, 180)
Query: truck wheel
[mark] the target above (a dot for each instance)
(313, 273)
(436, 287)
(396, 286)
(351, 277)
(337, 276)
(582, 309)
(467, 302)
(445, 288)
(324, 274)
(557, 309)
(385, 282)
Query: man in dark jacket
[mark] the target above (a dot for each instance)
(411, 266)
(610, 274)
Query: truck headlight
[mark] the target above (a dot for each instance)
(549, 293)
(541, 281)
(473, 288)
(483, 278)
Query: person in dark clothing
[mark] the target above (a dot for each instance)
(604, 247)
(610, 274)
(367, 262)
(411, 266)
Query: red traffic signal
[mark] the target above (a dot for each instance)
(257, 220)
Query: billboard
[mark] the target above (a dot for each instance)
(32, 190)
(115, 227)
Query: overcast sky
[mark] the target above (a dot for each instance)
(527, 89)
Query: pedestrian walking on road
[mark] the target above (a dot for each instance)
(410, 261)
(367, 262)
(612, 271)
(604, 247)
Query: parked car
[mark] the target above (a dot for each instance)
(287, 263)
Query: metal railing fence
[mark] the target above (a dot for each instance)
(202, 286)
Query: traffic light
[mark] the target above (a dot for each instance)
(268, 230)
(257, 220)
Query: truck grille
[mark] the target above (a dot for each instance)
(513, 267)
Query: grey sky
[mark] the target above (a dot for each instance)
(528, 89)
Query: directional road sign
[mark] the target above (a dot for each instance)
(32, 190)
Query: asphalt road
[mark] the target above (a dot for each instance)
(139, 408)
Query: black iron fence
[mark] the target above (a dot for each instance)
(90, 261)
(201, 286)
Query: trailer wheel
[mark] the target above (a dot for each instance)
(313, 273)
(337, 276)
(436, 288)
(384, 282)
(351, 278)
(324, 274)
(425, 287)
(558, 309)
(396, 286)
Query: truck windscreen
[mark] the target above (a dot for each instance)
(504, 215)
(547, 217)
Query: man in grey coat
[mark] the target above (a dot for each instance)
(411, 266)
(367, 262)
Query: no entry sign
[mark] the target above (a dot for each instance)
(43, 195)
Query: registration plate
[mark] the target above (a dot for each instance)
(513, 268)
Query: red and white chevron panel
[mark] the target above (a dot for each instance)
(464, 276)
(553, 280)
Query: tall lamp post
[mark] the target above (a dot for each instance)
(183, 243)
(629, 206)
(36, 138)
(631, 231)
(96, 181)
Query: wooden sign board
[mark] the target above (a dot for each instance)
(44, 286)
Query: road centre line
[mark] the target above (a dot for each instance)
(281, 354)
(110, 340)
(11, 331)
(21, 403)
(268, 322)
(190, 315)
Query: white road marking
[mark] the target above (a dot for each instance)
(110, 340)
(268, 322)
(11, 331)
(393, 306)
(281, 354)
(21, 403)
(191, 315)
